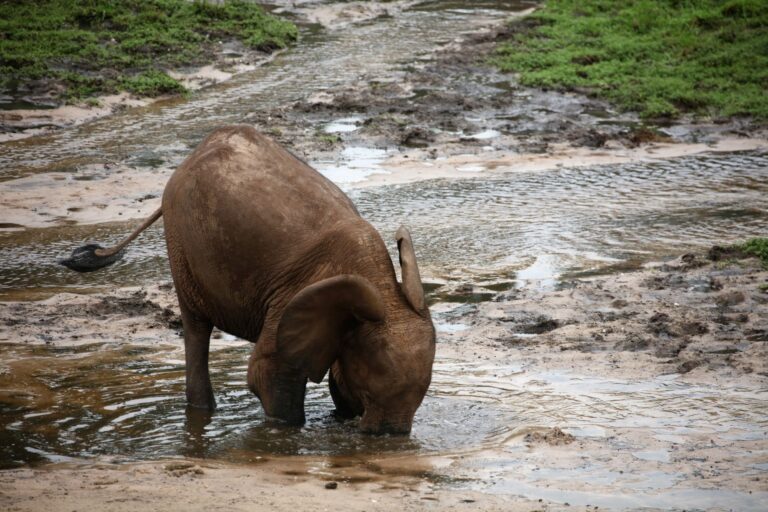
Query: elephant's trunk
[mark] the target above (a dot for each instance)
(280, 390)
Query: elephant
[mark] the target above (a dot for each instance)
(264, 247)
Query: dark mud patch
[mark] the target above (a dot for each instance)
(553, 437)
(720, 253)
(529, 322)
(707, 316)
(137, 304)
(77, 319)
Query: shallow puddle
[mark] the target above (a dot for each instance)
(129, 402)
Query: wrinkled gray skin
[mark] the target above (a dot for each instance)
(264, 247)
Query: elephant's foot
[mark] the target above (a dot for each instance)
(376, 421)
(201, 397)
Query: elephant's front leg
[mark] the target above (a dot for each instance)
(280, 388)
(197, 340)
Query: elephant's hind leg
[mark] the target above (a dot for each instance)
(197, 339)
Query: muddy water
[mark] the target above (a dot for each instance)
(535, 226)
(129, 402)
(522, 228)
(126, 403)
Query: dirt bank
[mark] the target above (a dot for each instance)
(704, 319)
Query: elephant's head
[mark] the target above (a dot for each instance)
(379, 343)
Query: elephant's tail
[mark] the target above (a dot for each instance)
(93, 257)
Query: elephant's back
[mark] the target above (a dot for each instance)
(236, 172)
(239, 207)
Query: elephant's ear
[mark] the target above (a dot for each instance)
(315, 320)
(412, 287)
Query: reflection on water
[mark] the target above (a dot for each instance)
(526, 227)
(128, 403)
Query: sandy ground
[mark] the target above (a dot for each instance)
(22, 123)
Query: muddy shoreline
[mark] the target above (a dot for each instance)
(454, 102)
(698, 321)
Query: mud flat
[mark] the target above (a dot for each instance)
(451, 103)
(181, 485)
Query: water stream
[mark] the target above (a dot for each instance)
(534, 225)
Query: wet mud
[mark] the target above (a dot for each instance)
(452, 101)
(641, 387)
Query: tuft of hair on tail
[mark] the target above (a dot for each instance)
(85, 258)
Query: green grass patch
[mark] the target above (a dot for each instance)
(152, 83)
(328, 138)
(658, 57)
(92, 47)
(756, 247)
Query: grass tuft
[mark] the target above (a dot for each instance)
(152, 83)
(658, 57)
(756, 247)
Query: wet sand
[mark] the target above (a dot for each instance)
(203, 485)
